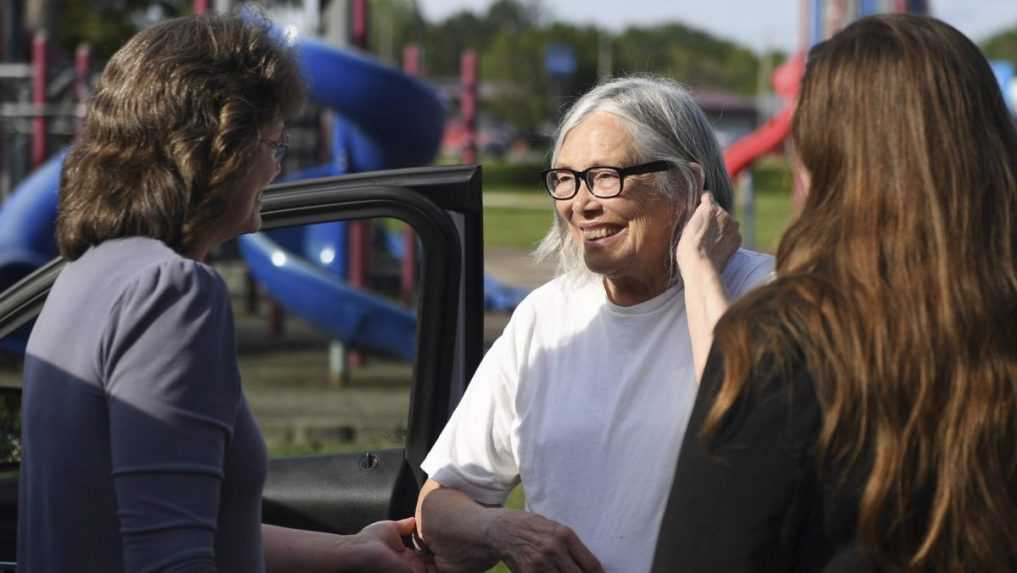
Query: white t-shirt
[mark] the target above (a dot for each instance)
(586, 403)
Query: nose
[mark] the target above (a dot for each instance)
(585, 201)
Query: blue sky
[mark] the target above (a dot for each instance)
(759, 24)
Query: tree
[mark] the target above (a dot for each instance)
(688, 55)
(443, 43)
(109, 24)
(394, 24)
(1002, 46)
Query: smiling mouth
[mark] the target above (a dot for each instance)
(598, 233)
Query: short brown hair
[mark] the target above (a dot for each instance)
(172, 128)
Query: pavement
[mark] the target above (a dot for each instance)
(517, 268)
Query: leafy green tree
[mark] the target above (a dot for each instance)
(444, 43)
(1002, 46)
(514, 66)
(393, 25)
(688, 55)
(108, 24)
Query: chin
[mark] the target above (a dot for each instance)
(599, 265)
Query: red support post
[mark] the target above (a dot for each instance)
(358, 232)
(411, 59)
(408, 272)
(39, 72)
(82, 70)
(468, 105)
(276, 318)
(356, 270)
(201, 7)
(358, 19)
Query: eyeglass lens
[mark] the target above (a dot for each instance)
(603, 182)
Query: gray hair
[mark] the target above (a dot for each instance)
(665, 124)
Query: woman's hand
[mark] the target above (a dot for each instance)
(465, 536)
(531, 543)
(711, 235)
(379, 548)
(708, 241)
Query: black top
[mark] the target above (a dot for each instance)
(750, 499)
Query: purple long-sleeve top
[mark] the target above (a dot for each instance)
(140, 451)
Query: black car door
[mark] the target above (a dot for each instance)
(341, 492)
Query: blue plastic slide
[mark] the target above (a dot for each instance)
(28, 223)
(358, 319)
(384, 119)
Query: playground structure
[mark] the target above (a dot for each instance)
(820, 20)
(382, 118)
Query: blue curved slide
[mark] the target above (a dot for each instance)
(28, 223)
(384, 119)
(348, 314)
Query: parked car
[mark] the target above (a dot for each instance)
(340, 492)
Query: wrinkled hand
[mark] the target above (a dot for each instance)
(711, 234)
(380, 548)
(531, 543)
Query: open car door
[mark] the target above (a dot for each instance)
(345, 489)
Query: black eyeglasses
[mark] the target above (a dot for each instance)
(278, 147)
(604, 182)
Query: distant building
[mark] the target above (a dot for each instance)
(732, 116)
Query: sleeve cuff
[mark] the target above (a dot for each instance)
(449, 476)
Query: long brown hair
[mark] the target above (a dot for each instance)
(897, 290)
(172, 128)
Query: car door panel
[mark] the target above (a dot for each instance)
(339, 492)
(344, 492)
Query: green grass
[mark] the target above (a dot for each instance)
(773, 215)
(515, 228)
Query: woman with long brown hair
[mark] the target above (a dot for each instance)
(859, 413)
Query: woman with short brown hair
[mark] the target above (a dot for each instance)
(860, 412)
(140, 450)
(173, 131)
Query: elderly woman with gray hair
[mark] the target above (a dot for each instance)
(585, 397)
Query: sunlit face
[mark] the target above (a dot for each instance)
(265, 169)
(625, 238)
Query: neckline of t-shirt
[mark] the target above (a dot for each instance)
(650, 306)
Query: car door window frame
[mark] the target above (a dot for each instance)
(443, 205)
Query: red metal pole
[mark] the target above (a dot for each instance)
(411, 59)
(39, 99)
(358, 232)
(408, 272)
(359, 22)
(201, 6)
(837, 16)
(82, 69)
(468, 105)
(276, 318)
